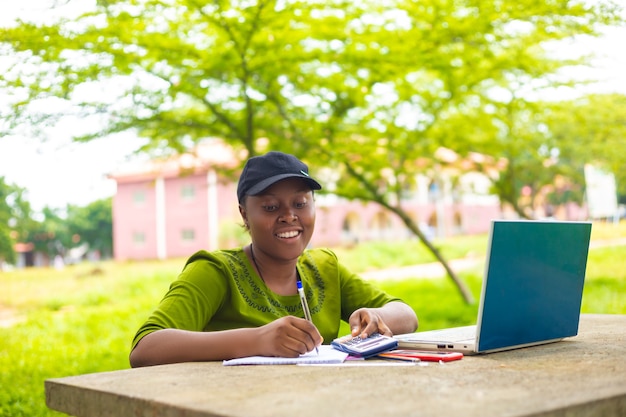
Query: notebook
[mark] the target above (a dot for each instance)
(531, 292)
(325, 355)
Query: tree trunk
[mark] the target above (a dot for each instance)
(461, 286)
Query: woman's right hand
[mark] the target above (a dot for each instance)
(288, 337)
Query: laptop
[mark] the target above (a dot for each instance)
(531, 292)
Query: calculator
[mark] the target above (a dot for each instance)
(364, 348)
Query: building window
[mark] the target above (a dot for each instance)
(139, 238)
(188, 235)
(188, 192)
(139, 198)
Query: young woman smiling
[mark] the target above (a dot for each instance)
(242, 302)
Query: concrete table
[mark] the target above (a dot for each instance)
(580, 376)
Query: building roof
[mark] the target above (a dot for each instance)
(206, 156)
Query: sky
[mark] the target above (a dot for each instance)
(58, 172)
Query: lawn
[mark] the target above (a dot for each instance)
(81, 319)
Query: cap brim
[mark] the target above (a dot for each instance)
(258, 188)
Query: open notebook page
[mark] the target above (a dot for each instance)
(326, 355)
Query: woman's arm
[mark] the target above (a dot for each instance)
(394, 317)
(287, 337)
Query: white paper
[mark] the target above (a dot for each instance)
(327, 355)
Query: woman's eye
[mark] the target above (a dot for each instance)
(270, 208)
(301, 205)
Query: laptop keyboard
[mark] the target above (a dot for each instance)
(454, 334)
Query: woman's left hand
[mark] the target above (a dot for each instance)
(394, 317)
(366, 321)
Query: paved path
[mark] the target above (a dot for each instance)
(429, 270)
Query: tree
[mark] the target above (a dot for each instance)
(62, 230)
(92, 224)
(50, 235)
(15, 219)
(7, 250)
(530, 155)
(591, 129)
(372, 90)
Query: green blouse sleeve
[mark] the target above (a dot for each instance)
(192, 299)
(358, 293)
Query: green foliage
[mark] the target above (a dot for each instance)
(49, 236)
(419, 74)
(15, 219)
(92, 224)
(7, 252)
(56, 232)
(591, 129)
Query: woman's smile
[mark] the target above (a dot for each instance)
(288, 235)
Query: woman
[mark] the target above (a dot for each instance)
(244, 302)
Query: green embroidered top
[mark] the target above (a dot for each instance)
(220, 290)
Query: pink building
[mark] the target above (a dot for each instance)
(174, 208)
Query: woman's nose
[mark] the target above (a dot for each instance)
(288, 216)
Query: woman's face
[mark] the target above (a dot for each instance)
(281, 219)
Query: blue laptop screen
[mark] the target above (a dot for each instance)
(534, 282)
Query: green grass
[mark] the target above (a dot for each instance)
(81, 319)
(378, 255)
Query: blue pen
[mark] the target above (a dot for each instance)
(305, 306)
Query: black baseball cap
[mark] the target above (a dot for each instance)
(262, 171)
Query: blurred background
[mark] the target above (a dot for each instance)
(124, 126)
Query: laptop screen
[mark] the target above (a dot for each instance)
(533, 285)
